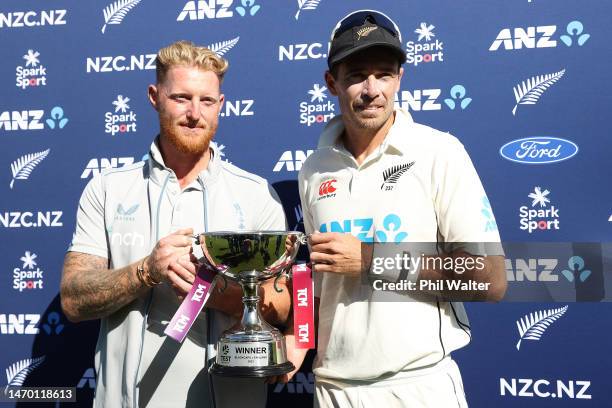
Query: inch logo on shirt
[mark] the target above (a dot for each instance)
(363, 229)
(393, 174)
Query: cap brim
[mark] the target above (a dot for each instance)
(400, 53)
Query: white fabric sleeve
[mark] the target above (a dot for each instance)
(271, 217)
(308, 224)
(90, 236)
(461, 204)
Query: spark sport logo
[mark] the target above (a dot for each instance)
(29, 276)
(122, 120)
(32, 73)
(539, 217)
(319, 109)
(425, 49)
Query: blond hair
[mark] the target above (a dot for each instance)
(188, 54)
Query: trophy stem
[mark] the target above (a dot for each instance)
(251, 319)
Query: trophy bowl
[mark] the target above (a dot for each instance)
(252, 347)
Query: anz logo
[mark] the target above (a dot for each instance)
(363, 229)
(539, 37)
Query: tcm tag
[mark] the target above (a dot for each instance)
(303, 307)
(192, 305)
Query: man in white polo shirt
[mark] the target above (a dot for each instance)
(377, 177)
(129, 262)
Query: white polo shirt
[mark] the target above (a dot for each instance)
(122, 214)
(418, 186)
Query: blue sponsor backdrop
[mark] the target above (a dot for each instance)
(530, 76)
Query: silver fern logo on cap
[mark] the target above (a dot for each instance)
(365, 31)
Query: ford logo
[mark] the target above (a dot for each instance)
(539, 150)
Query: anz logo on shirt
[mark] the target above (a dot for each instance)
(363, 229)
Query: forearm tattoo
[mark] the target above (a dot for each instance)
(90, 290)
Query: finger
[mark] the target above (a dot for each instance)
(181, 241)
(182, 272)
(321, 237)
(325, 247)
(183, 231)
(321, 268)
(321, 257)
(187, 264)
(178, 284)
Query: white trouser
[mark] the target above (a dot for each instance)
(437, 386)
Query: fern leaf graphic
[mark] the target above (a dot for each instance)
(392, 174)
(306, 5)
(17, 373)
(22, 167)
(528, 92)
(223, 47)
(364, 32)
(115, 12)
(533, 325)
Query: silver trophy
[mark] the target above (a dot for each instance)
(252, 347)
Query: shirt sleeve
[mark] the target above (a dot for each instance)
(308, 223)
(461, 203)
(90, 236)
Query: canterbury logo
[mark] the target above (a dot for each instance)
(364, 32)
(392, 174)
(327, 187)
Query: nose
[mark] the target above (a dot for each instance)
(193, 111)
(370, 87)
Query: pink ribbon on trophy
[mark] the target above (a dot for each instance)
(303, 306)
(192, 305)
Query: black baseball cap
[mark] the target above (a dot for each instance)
(363, 29)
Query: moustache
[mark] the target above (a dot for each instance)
(193, 124)
(361, 105)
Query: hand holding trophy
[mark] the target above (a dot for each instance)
(252, 347)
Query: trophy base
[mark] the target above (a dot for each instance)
(252, 372)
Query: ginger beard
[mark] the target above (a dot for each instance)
(189, 137)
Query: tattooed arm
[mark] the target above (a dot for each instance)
(89, 290)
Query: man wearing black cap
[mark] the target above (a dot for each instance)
(378, 177)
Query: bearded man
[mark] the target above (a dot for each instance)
(130, 262)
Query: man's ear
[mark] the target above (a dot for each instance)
(399, 78)
(221, 100)
(153, 94)
(331, 83)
